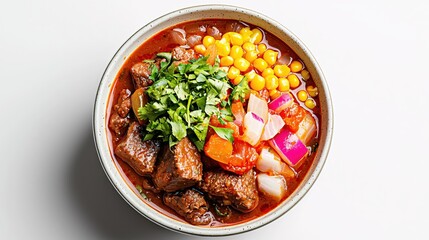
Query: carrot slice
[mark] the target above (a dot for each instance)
(218, 149)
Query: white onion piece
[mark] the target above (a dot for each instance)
(259, 106)
(178, 36)
(270, 162)
(272, 186)
(253, 127)
(274, 125)
(194, 40)
(307, 128)
(284, 59)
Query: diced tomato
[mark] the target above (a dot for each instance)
(218, 149)
(214, 121)
(243, 158)
(238, 112)
(292, 116)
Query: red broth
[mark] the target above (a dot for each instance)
(161, 42)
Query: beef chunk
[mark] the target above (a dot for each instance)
(179, 167)
(119, 119)
(182, 55)
(191, 205)
(118, 124)
(140, 155)
(124, 103)
(140, 73)
(231, 189)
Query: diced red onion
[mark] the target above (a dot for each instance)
(281, 103)
(178, 36)
(258, 106)
(274, 124)
(253, 127)
(289, 147)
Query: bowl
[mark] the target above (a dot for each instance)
(100, 128)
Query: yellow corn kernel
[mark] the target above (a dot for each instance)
(223, 47)
(305, 74)
(281, 70)
(262, 48)
(267, 71)
(233, 72)
(208, 40)
(241, 64)
(258, 83)
(256, 36)
(271, 82)
(226, 38)
(251, 56)
(296, 66)
(245, 33)
(237, 80)
(250, 75)
(283, 85)
(293, 81)
(236, 52)
(200, 48)
(302, 95)
(312, 91)
(270, 56)
(236, 38)
(226, 61)
(310, 103)
(249, 46)
(274, 93)
(260, 64)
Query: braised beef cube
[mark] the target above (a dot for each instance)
(179, 167)
(118, 124)
(191, 205)
(231, 189)
(124, 103)
(147, 184)
(140, 155)
(140, 73)
(182, 55)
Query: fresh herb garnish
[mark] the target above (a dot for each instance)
(225, 133)
(183, 98)
(241, 90)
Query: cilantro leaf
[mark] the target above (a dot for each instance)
(225, 133)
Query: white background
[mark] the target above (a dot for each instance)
(375, 56)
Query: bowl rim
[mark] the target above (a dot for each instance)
(112, 173)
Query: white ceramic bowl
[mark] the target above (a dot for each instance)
(196, 13)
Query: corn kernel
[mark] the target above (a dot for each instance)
(241, 64)
(236, 38)
(258, 83)
(237, 80)
(281, 70)
(233, 72)
(250, 75)
(262, 48)
(251, 56)
(223, 48)
(302, 95)
(245, 33)
(208, 40)
(305, 74)
(267, 71)
(226, 38)
(310, 103)
(236, 52)
(249, 46)
(260, 64)
(296, 66)
(270, 56)
(283, 85)
(200, 48)
(274, 93)
(256, 36)
(271, 82)
(293, 81)
(226, 61)
(312, 91)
